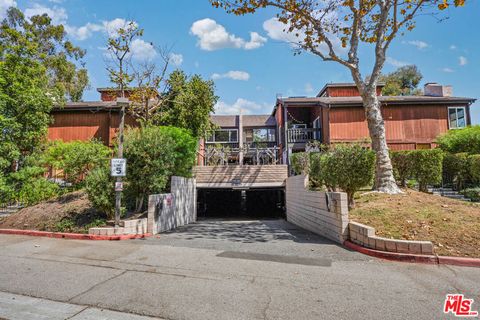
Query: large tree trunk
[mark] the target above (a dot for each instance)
(384, 180)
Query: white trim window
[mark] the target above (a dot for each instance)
(223, 136)
(457, 117)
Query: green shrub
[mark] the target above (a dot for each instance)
(76, 158)
(461, 140)
(7, 193)
(101, 191)
(350, 167)
(472, 193)
(31, 187)
(402, 166)
(456, 169)
(300, 162)
(474, 164)
(427, 167)
(153, 155)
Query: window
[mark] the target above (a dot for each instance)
(223, 136)
(456, 117)
(260, 135)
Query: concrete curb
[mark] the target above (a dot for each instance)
(76, 236)
(414, 258)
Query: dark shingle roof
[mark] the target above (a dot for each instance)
(257, 120)
(87, 105)
(357, 101)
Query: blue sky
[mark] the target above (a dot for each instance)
(248, 56)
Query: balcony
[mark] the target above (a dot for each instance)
(303, 135)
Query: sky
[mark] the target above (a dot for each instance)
(250, 58)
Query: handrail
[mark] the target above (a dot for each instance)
(303, 134)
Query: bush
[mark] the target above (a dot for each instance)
(76, 158)
(300, 162)
(153, 155)
(474, 164)
(402, 166)
(472, 193)
(456, 170)
(31, 187)
(350, 167)
(461, 140)
(427, 167)
(101, 191)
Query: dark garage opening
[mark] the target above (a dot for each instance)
(241, 204)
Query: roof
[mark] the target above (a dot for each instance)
(343, 85)
(88, 105)
(260, 120)
(357, 101)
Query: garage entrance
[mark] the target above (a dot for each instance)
(244, 204)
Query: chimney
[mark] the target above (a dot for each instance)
(434, 89)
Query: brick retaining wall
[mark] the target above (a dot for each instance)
(365, 236)
(323, 213)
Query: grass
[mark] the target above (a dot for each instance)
(452, 225)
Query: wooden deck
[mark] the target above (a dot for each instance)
(236, 176)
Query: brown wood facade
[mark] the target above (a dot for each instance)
(84, 125)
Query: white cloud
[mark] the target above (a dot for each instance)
(142, 50)
(247, 107)
(421, 45)
(448, 70)
(308, 87)
(176, 58)
(453, 47)
(84, 32)
(213, 36)
(462, 60)
(234, 75)
(4, 5)
(57, 14)
(396, 63)
(275, 30)
(111, 27)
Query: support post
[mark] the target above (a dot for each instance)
(123, 103)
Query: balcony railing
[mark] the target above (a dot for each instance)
(298, 135)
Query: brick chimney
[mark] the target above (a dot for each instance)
(434, 89)
(111, 94)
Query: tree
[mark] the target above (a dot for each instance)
(402, 82)
(148, 97)
(321, 24)
(120, 47)
(45, 43)
(189, 101)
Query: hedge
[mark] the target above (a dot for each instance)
(402, 166)
(464, 140)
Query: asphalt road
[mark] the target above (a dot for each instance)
(221, 270)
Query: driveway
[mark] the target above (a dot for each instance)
(275, 237)
(220, 270)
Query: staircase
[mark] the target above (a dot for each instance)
(236, 176)
(448, 193)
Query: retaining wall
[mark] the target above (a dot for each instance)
(365, 236)
(171, 210)
(323, 213)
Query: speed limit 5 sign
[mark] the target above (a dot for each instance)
(118, 167)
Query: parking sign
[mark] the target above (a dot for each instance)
(119, 167)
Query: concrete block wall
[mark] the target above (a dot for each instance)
(135, 226)
(323, 213)
(170, 210)
(365, 236)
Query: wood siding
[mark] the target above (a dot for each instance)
(407, 127)
(86, 125)
(347, 91)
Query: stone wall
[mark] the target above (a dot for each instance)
(323, 213)
(365, 236)
(127, 227)
(171, 210)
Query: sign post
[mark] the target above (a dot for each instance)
(120, 163)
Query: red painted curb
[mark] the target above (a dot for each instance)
(414, 258)
(76, 236)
